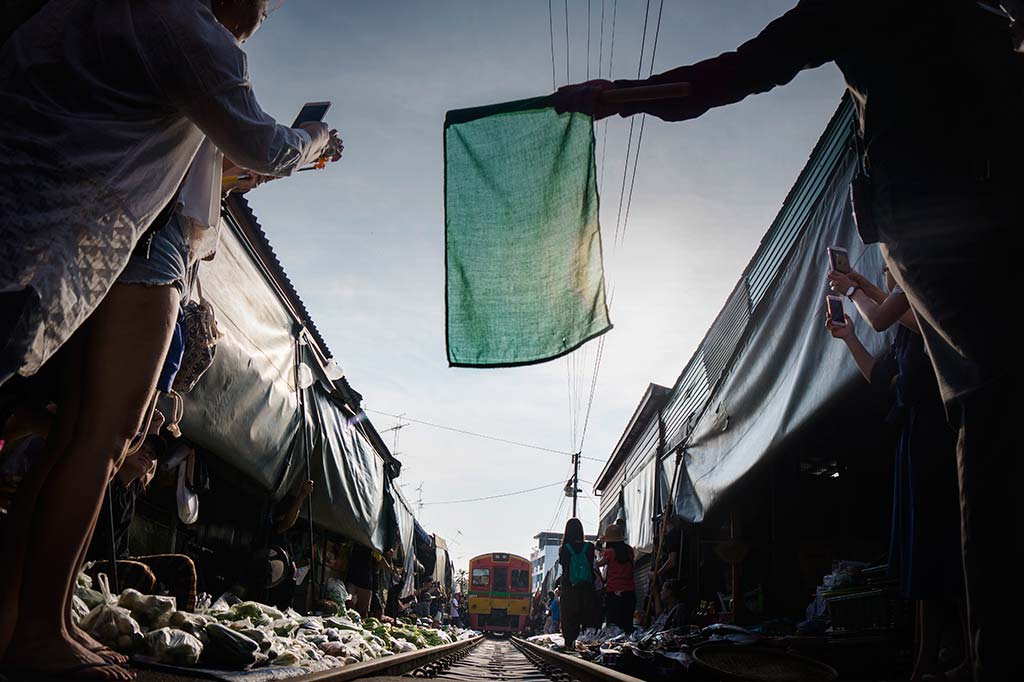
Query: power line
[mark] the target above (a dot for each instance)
(588, 39)
(567, 41)
(551, 34)
(643, 120)
(477, 435)
(494, 497)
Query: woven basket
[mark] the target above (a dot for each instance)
(753, 663)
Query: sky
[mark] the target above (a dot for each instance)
(363, 240)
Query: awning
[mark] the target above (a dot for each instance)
(407, 540)
(244, 409)
(638, 498)
(348, 497)
(787, 369)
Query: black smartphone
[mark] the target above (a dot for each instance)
(311, 111)
(835, 310)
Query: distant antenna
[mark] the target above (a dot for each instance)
(419, 500)
(396, 428)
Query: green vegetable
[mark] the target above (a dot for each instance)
(228, 648)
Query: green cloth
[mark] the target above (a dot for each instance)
(525, 279)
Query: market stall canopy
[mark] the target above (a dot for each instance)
(348, 497)
(525, 279)
(244, 409)
(407, 539)
(638, 502)
(440, 561)
(782, 369)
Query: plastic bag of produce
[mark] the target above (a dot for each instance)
(152, 610)
(225, 647)
(337, 593)
(285, 627)
(79, 609)
(174, 647)
(192, 623)
(112, 625)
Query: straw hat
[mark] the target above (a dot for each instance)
(615, 532)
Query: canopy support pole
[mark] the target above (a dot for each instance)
(301, 395)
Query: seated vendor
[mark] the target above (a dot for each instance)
(175, 573)
(672, 613)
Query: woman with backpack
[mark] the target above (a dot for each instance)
(576, 557)
(620, 589)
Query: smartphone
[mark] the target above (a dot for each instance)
(834, 304)
(839, 259)
(311, 111)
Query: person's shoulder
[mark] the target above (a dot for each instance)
(192, 30)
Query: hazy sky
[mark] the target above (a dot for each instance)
(363, 241)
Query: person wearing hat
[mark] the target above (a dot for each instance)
(176, 573)
(620, 588)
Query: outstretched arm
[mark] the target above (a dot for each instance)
(807, 36)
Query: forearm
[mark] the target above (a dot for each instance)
(248, 136)
(865, 360)
(883, 314)
(807, 36)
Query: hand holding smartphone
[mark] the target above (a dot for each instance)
(839, 259)
(834, 306)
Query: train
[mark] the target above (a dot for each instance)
(499, 592)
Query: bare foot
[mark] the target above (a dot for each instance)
(85, 639)
(58, 656)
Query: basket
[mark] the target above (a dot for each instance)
(734, 662)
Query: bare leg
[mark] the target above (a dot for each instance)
(77, 633)
(18, 529)
(126, 341)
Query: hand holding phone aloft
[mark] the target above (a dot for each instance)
(839, 259)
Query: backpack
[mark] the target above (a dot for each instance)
(580, 570)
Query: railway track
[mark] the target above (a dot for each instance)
(475, 660)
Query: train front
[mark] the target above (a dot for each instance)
(499, 592)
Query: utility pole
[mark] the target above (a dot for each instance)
(575, 480)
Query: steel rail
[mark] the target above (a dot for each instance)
(572, 665)
(555, 665)
(391, 666)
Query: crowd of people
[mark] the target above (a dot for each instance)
(597, 587)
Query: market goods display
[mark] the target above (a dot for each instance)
(725, 651)
(238, 635)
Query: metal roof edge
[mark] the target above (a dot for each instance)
(653, 399)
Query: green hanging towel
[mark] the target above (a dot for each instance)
(524, 273)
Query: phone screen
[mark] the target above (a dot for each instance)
(311, 111)
(835, 309)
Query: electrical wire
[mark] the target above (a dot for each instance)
(551, 34)
(588, 38)
(643, 120)
(494, 497)
(567, 42)
(477, 435)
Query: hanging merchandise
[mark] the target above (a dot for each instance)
(525, 278)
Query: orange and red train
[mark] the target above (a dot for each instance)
(499, 592)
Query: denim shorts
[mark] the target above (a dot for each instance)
(167, 264)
